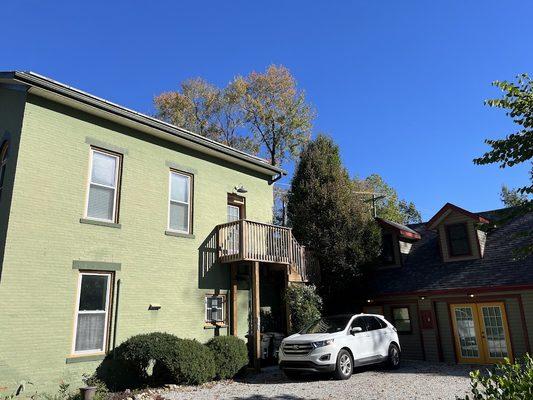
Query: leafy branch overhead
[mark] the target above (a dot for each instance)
(261, 113)
(517, 147)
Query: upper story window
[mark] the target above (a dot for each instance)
(458, 240)
(180, 210)
(102, 200)
(3, 164)
(388, 249)
(92, 312)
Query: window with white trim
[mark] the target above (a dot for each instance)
(179, 207)
(102, 198)
(92, 312)
(214, 308)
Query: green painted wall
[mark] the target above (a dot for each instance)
(12, 101)
(44, 236)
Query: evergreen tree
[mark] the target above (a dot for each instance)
(331, 221)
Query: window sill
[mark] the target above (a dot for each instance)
(85, 358)
(99, 223)
(215, 326)
(179, 234)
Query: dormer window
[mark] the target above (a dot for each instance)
(458, 240)
(388, 250)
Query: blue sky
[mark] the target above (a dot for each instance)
(398, 84)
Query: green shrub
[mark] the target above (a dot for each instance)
(304, 306)
(189, 362)
(505, 381)
(143, 355)
(230, 353)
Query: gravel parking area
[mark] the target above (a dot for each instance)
(414, 380)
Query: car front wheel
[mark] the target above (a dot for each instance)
(344, 368)
(393, 359)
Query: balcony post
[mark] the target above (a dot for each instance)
(233, 308)
(256, 335)
(242, 240)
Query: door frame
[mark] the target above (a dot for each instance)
(479, 327)
(237, 201)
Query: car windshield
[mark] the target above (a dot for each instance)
(327, 325)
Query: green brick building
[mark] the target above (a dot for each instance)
(110, 227)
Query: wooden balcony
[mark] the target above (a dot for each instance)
(245, 240)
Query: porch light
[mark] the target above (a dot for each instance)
(471, 295)
(422, 298)
(240, 189)
(369, 301)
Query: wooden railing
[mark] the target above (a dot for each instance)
(245, 240)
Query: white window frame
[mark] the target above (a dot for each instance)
(188, 203)
(233, 207)
(118, 157)
(222, 308)
(78, 312)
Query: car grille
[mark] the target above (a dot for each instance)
(297, 348)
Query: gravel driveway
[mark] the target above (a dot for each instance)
(414, 380)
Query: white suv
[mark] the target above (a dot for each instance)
(338, 343)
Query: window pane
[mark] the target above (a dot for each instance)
(388, 249)
(459, 247)
(458, 237)
(104, 168)
(400, 313)
(359, 322)
(233, 213)
(101, 201)
(179, 217)
(403, 325)
(179, 187)
(90, 332)
(93, 292)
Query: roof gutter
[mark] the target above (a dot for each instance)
(48, 88)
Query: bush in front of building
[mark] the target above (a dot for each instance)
(157, 358)
(231, 355)
(506, 381)
(143, 355)
(189, 362)
(304, 305)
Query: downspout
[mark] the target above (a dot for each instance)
(115, 323)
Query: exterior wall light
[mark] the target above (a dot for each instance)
(369, 301)
(240, 189)
(471, 295)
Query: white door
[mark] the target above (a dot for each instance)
(232, 240)
(360, 343)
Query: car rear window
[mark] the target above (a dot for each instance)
(374, 323)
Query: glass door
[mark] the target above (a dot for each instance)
(481, 332)
(467, 333)
(494, 331)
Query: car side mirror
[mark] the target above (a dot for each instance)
(356, 329)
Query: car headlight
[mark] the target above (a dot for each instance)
(322, 343)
